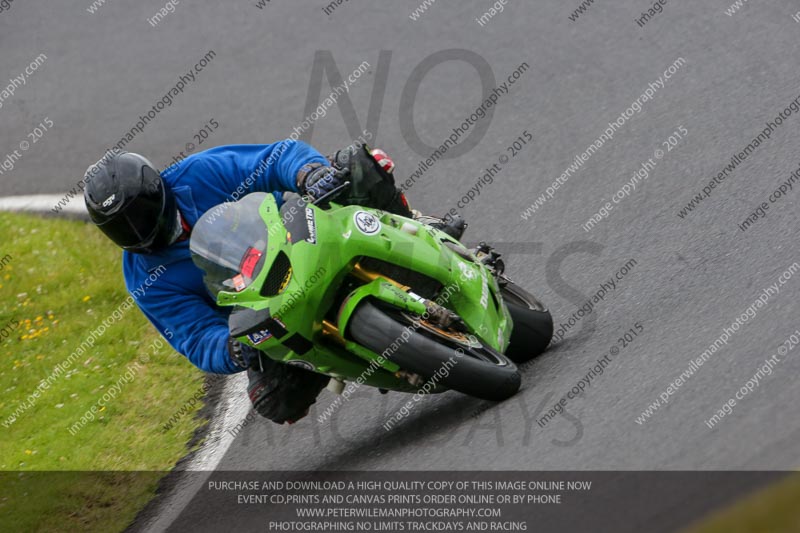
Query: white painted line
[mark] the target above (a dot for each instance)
(43, 204)
(230, 411)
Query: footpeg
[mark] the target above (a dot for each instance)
(336, 386)
(486, 255)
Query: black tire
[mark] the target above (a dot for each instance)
(533, 324)
(480, 371)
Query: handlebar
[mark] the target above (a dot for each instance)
(327, 196)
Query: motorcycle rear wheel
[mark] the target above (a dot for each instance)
(533, 324)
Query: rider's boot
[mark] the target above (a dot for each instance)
(453, 226)
(394, 200)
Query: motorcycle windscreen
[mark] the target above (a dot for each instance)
(229, 243)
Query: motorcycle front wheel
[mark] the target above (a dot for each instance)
(448, 358)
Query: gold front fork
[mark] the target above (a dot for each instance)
(367, 276)
(359, 272)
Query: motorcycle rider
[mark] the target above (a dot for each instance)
(151, 215)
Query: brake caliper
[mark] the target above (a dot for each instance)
(444, 317)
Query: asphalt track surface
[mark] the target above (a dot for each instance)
(692, 277)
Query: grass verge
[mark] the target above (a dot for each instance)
(58, 281)
(774, 509)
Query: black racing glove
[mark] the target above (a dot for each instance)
(316, 180)
(279, 392)
(371, 180)
(283, 393)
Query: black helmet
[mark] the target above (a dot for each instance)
(128, 201)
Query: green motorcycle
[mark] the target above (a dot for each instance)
(368, 296)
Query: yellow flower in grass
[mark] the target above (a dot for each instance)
(86, 298)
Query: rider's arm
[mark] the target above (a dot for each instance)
(185, 316)
(246, 168)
